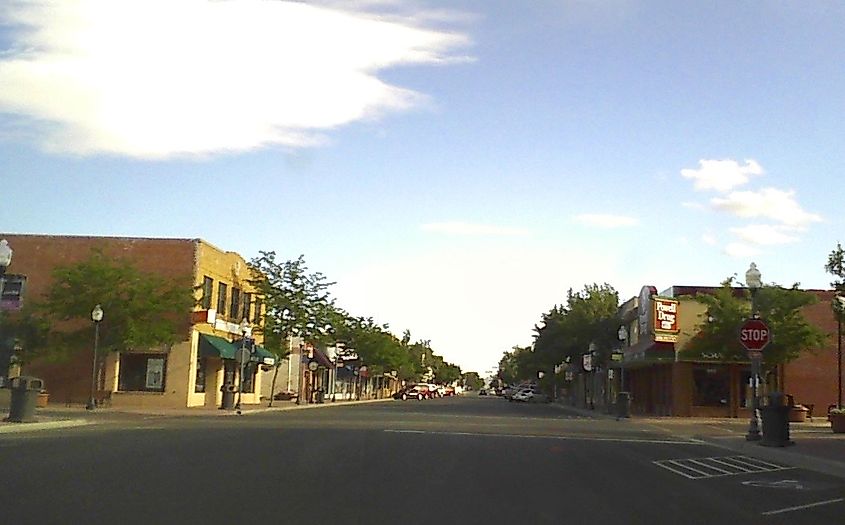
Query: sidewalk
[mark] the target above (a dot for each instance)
(816, 447)
(57, 417)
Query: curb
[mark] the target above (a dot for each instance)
(12, 428)
(307, 406)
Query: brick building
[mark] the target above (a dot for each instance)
(187, 374)
(665, 380)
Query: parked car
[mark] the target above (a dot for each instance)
(482, 392)
(530, 395)
(418, 392)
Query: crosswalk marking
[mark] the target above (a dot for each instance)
(703, 468)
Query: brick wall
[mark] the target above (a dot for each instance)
(812, 378)
(36, 256)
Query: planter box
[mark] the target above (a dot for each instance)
(798, 415)
(837, 423)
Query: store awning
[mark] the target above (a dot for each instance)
(263, 356)
(213, 346)
(321, 358)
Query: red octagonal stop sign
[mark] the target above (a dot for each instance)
(754, 335)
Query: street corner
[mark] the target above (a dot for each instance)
(42, 424)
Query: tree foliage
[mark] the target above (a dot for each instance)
(141, 309)
(781, 308)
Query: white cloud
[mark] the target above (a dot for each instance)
(709, 239)
(740, 250)
(765, 234)
(606, 220)
(465, 228)
(721, 175)
(159, 78)
(770, 203)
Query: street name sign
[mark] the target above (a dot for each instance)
(754, 335)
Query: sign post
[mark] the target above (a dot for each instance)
(754, 336)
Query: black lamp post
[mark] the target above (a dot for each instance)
(96, 316)
(754, 283)
(622, 334)
(242, 357)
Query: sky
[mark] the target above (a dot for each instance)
(454, 166)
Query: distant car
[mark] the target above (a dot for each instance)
(482, 392)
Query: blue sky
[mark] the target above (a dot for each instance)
(454, 166)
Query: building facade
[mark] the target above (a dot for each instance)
(666, 380)
(195, 371)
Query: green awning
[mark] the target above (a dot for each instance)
(262, 355)
(213, 346)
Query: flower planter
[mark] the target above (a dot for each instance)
(837, 423)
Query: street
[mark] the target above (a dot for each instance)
(458, 460)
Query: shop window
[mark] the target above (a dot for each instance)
(199, 381)
(221, 299)
(207, 285)
(142, 372)
(235, 306)
(711, 386)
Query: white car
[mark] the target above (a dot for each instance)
(531, 395)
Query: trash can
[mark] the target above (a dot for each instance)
(320, 395)
(623, 405)
(229, 391)
(25, 390)
(775, 412)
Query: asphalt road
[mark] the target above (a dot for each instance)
(466, 460)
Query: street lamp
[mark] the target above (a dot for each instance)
(622, 334)
(5, 260)
(243, 357)
(754, 283)
(838, 305)
(96, 316)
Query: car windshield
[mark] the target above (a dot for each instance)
(260, 260)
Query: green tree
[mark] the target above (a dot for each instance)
(472, 381)
(297, 303)
(780, 307)
(142, 309)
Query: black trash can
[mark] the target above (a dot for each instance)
(320, 396)
(623, 405)
(775, 412)
(229, 391)
(25, 390)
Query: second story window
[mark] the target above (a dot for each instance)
(221, 299)
(207, 284)
(235, 306)
(256, 319)
(247, 306)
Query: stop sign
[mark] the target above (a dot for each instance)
(754, 335)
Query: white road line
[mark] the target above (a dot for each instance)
(684, 465)
(729, 464)
(711, 467)
(802, 507)
(534, 436)
(676, 471)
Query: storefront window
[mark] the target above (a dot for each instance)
(712, 386)
(249, 378)
(142, 372)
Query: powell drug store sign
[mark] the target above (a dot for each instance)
(665, 319)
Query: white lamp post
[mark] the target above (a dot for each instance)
(96, 316)
(754, 282)
(5, 260)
